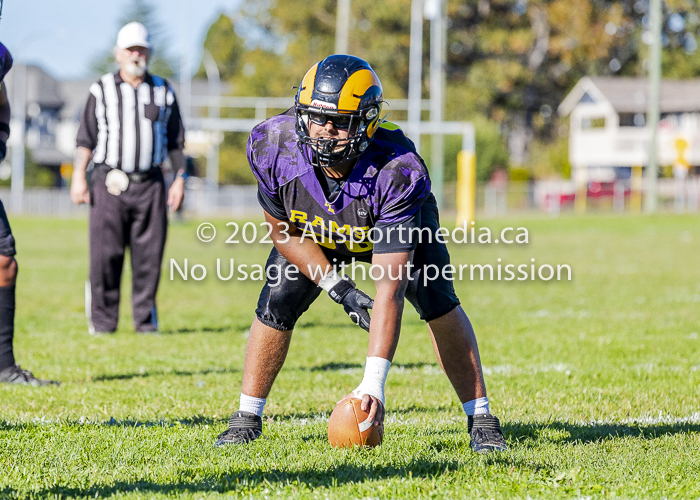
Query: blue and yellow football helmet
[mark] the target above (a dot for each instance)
(346, 90)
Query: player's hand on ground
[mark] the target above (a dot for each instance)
(371, 405)
(355, 302)
(176, 193)
(79, 192)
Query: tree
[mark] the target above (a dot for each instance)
(160, 64)
(508, 61)
(225, 46)
(519, 59)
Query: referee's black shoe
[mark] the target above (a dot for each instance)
(243, 428)
(15, 375)
(485, 433)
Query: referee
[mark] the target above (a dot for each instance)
(130, 123)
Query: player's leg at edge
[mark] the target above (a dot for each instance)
(265, 354)
(10, 371)
(458, 354)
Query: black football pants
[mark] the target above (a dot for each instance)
(7, 296)
(282, 301)
(137, 218)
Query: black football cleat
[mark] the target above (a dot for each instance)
(485, 433)
(243, 428)
(15, 375)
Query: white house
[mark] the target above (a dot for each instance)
(608, 132)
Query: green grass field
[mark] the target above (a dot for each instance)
(595, 380)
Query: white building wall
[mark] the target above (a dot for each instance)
(615, 146)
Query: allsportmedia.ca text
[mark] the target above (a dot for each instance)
(319, 231)
(228, 269)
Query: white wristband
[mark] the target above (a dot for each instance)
(330, 280)
(376, 371)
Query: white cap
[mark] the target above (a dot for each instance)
(133, 35)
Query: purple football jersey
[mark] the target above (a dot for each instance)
(5, 61)
(388, 185)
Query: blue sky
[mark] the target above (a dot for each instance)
(64, 36)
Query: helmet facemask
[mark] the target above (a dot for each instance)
(328, 152)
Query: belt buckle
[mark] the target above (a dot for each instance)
(138, 176)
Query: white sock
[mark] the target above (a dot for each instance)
(476, 407)
(252, 405)
(376, 371)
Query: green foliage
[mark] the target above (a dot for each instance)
(519, 174)
(297, 36)
(549, 159)
(233, 163)
(491, 149)
(559, 157)
(595, 380)
(35, 175)
(510, 62)
(160, 64)
(225, 47)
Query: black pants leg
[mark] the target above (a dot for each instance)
(282, 301)
(147, 238)
(109, 225)
(7, 296)
(437, 297)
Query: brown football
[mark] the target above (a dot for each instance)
(349, 426)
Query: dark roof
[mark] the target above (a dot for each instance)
(40, 87)
(630, 95)
(75, 94)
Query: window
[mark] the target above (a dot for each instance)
(632, 119)
(594, 122)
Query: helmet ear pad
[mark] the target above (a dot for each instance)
(374, 120)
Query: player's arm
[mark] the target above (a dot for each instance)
(4, 120)
(388, 302)
(176, 192)
(86, 142)
(79, 192)
(384, 329)
(176, 145)
(392, 261)
(303, 252)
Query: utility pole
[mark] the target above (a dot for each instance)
(342, 27)
(214, 87)
(651, 201)
(415, 72)
(185, 63)
(19, 105)
(434, 11)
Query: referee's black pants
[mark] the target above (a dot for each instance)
(136, 218)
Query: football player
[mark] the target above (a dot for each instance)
(10, 372)
(330, 167)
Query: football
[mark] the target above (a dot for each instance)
(349, 426)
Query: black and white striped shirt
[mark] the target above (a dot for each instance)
(131, 128)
